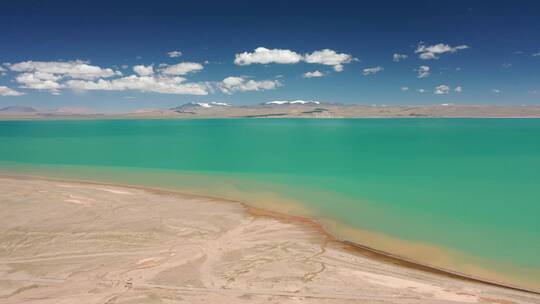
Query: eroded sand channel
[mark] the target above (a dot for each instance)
(66, 242)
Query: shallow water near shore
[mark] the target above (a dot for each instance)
(461, 194)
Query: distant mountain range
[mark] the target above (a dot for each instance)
(27, 110)
(18, 109)
(201, 105)
(195, 105)
(288, 108)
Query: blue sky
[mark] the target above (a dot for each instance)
(83, 53)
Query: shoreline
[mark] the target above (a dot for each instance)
(367, 251)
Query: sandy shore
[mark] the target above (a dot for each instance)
(70, 242)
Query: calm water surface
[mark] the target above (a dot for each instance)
(469, 187)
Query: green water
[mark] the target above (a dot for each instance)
(470, 186)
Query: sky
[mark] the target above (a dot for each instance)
(116, 56)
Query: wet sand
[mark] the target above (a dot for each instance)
(67, 242)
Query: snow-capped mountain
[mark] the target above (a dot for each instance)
(292, 102)
(192, 105)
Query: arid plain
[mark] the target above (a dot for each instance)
(67, 242)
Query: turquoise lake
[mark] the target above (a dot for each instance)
(470, 188)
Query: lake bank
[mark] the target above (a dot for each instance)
(446, 193)
(63, 240)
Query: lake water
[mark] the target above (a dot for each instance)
(462, 194)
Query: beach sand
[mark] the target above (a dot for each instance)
(67, 242)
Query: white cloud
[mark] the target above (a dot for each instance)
(242, 84)
(53, 76)
(506, 65)
(536, 54)
(5, 91)
(174, 54)
(404, 89)
(144, 70)
(421, 90)
(496, 91)
(329, 57)
(263, 55)
(423, 71)
(76, 69)
(398, 57)
(164, 85)
(434, 51)
(338, 68)
(39, 81)
(442, 89)
(373, 70)
(458, 89)
(80, 76)
(182, 68)
(313, 74)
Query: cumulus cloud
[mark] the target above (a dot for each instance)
(398, 57)
(164, 85)
(81, 76)
(243, 84)
(174, 54)
(421, 90)
(434, 51)
(262, 55)
(458, 89)
(39, 81)
(329, 57)
(182, 68)
(442, 89)
(423, 71)
(53, 76)
(143, 70)
(313, 74)
(76, 69)
(371, 71)
(5, 91)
